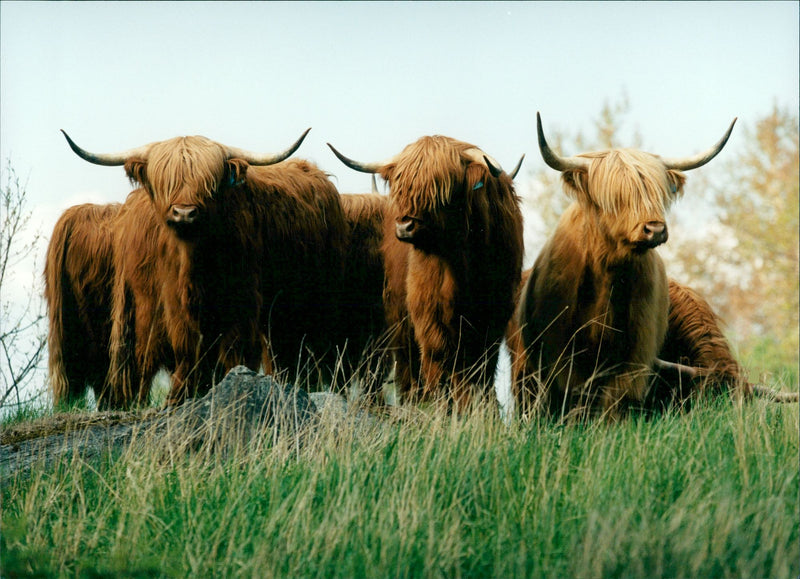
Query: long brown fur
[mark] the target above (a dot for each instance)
(695, 339)
(594, 313)
(450, 293)
(256, 282)
(78, 278)
(362, 311)
(139, 344)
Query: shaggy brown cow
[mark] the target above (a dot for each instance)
(78, 276)
(361, 306)
(453, 252)
(594, 311)
(695, 340)
(225, 261)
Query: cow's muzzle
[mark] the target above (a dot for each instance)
(186, 214)
(407, 228)
(183, 219)
(652, 234)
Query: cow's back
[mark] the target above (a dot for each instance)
(78, 279)
(695, 338)
(363, 316)
(302, 227)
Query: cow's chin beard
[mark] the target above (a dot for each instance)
(188, 232)
(420, 242)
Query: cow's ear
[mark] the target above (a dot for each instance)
(676, 181)
(477, 174)
(136, 169)
(235, 172)
(576, 183)
(387, 172)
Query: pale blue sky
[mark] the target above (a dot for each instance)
(371, 78)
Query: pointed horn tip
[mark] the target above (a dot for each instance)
(355, 165)
(74, 146)
(337, 153)
(299, 141)
(540, 131)
(514, 173)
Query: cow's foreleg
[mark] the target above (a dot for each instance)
(122, 371)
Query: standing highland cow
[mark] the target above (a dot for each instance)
(594, 312)
(453, 252)
(225, 259)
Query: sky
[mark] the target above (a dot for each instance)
(371, 77)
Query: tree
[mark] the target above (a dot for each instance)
(22, 339)
(747, 262)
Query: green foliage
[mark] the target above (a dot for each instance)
(748, 265)
(708, 493)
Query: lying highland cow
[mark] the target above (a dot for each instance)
(594, 312)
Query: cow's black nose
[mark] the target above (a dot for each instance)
(184, 213)
(404, 230)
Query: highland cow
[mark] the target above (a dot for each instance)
(452, 249)
(594, 312)
(226, 261)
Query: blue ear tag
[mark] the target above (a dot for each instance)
(232, 182)
(478, 185)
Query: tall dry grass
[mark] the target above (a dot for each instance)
(422, 493)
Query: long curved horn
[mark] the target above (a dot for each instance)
(265, 159)
(363, 167)
(494, 167)
(689, 163)
(513, 173)
(375, 186)
(106, 159)
(558, 163)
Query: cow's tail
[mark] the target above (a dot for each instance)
(761, 391)
(61, 311)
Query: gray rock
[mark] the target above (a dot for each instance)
(236, 409)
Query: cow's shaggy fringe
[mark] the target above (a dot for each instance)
(626, 181)
(195, 164)
(422, 175)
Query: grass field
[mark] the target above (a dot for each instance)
(710, 493)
